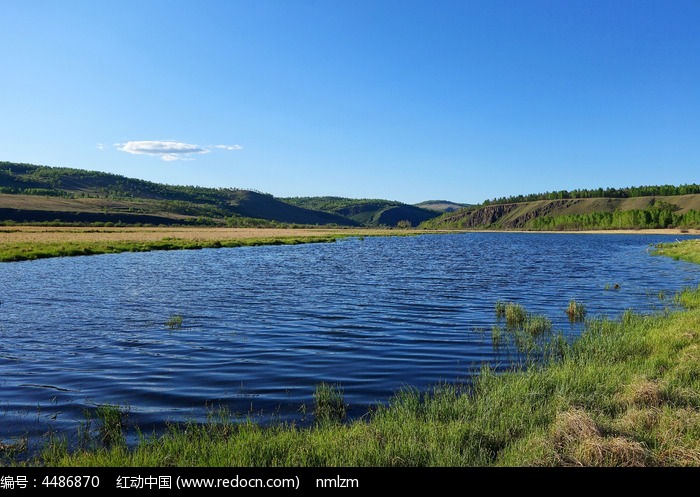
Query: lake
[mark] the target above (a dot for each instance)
(261, 326)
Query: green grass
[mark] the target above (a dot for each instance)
(687, 250)
(515, 314)
(111, 420)
(174, 322)
(329, 404)
(576, 311)
(30, 250)
(517, 318)
(500, 309)
(536, 324)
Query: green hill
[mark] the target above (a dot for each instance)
(577, 214)
(367, 212)
(41, 194)
(441, 205)
(30, 193)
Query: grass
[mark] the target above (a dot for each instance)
(688, 250)
(500, 309)
(515, 314)
(111, 421)
(576, 311)
(528, 333)
(329, 404)
(517, 318)
(31, 251)
(174, 322)
(537, 324)
(626, 393)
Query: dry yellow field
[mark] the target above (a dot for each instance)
(33, 242)
(39, 234)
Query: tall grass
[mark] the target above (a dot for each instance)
(515, 314)
(500, 309)
(517, 318)
(111, 420)
(576, 311)
(329, 403)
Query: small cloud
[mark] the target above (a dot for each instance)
(168, 150)
(229, 147)
(100, 146)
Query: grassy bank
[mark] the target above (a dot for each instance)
(30, 251)
(20, 244)
(626, 393)
(688, 250)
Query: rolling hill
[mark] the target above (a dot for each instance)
(41, 194)
(30, 193)
(577, 213)
(367, 212)
(441, 205)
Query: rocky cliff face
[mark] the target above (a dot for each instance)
(506, 216)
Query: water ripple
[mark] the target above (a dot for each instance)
(263, 325)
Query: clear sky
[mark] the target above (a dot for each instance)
(405, 100)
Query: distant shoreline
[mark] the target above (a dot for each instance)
(21, 243)
(659, 231)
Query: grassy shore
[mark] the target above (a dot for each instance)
(688, 250)
(29, 243)
(626, 393)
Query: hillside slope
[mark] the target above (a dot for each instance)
(441, 205)
(368, 212)
(30, 193)
(581, 213)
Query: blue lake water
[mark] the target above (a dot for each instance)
(263, 325)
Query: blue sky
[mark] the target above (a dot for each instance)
(404, 100)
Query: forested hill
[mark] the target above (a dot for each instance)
(367, 212)
(41, 194)
(633, 212)
(31, 193)
(441, 205)
(627, 192)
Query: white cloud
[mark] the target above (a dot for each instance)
(229, 147)
(168, 150)
(100, 146)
